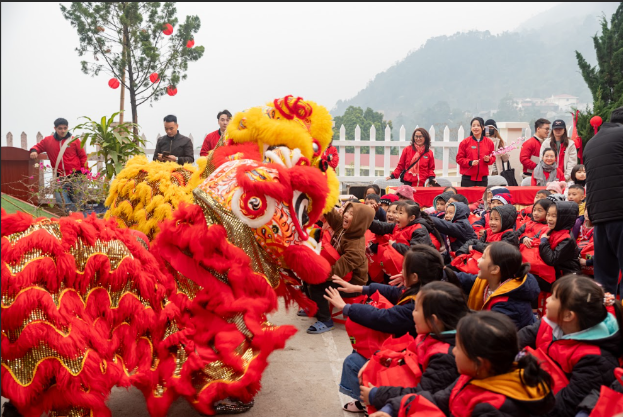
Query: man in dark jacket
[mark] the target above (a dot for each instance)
(173, 146)
(458, 230)
(603, 163)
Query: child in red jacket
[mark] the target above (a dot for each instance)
(491, 382)
(580, 336)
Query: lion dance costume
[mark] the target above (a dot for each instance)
(170, 292)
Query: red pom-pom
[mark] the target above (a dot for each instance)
(190, 44)
(596, 121)
(172, 91)
(306, 264)
(154, 78)
(168, 29)
(113, 83)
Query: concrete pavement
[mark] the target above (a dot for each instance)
(301, 380)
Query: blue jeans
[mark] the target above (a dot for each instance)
(66, 194)
(349, 384)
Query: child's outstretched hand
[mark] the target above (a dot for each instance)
(527, 242)
(345, 286)
(397, 280)
(362, 371)
(364, 391)
(333, 296)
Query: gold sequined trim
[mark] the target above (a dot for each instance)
(52, 228)
(74, 411)
(115, 250)
(239, 321)
(181, 358)
(239, 235)
(172, 328)
(35, 316)
(24, 369)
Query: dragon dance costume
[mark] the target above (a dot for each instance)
(170, 292)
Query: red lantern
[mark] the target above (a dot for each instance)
(190, 44)
(172, 91)
(596, 121)
(113, 83)
(154, 78)
(168, 29)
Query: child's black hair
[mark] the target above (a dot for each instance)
(544, 203)
(374, 197)
(444, 300)
(493, 336)
(460, 198)
(544, 192)
(577, 187)
(508, 259)
(585, 298)
(449, 187)
(575, 170)
(411, 209)
(374, 187)
(428, 264)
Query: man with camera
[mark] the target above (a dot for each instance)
(174, 146)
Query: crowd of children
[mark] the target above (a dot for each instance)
(471, 309)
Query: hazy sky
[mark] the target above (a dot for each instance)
(254, 53)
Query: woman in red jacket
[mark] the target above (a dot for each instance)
(474, 156)
(416, 160)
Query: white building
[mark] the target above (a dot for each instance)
(565, 102)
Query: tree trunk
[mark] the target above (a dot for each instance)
(122, 94)
(131, 84)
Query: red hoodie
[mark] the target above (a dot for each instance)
(74, 157)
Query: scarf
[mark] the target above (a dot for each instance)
(415, 170)
(540, 173)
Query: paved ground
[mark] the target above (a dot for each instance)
(301, 380)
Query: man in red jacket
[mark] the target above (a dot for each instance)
(530, 153)
(212, 138)
(67, 156)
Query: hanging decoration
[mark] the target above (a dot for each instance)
(172, 91)
(168, 29)
(113, 83)
(154, 78)
(596, 121)
(576, 138)
(190, 43)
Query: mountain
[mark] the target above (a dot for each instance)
(535, 60)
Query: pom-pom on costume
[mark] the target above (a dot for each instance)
(171, 292)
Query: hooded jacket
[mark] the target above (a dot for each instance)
(560, 250)
(470, 149)
(416, 232)
(436, 362)
(397, 320)
(351, 243)
(444, 196)
(508, 217)
(459, 229)
(588, 358)
(603, 162)
(500, 395)
(512, 298)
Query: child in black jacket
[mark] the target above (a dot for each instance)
(455, 225)
(557, 247)
(502, 225)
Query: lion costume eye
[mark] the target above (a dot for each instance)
(253, 210)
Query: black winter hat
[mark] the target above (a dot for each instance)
(491, 122)
(558, 124)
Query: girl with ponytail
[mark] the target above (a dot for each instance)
(581, 336)
(503, 284)
(491, 381)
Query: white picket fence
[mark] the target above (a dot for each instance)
(352, 173)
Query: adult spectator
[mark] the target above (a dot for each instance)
(473, 156)
(491, 131)
(603, 162)
(530, 153)
(417, 160)
(210, 142)
(173, 146)
(565, 150)
(68, 156)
